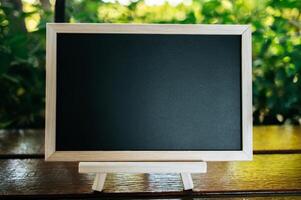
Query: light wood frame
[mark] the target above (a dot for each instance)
(246, 76)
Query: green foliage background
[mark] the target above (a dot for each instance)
(276, 26)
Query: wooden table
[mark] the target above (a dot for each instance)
(274, 172)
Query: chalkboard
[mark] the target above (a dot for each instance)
(153, 92)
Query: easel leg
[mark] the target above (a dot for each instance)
(187, 181)
(102, 168)
(99, 182)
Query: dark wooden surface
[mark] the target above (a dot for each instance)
(266, 174)
(278, 139)
(21, 143)
(274, 172)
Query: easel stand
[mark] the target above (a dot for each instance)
(102, 168)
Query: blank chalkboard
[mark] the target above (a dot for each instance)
(148, 92)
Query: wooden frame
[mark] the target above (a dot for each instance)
(245, 154)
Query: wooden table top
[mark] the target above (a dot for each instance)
(274, 172)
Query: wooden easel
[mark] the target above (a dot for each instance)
(102, 168)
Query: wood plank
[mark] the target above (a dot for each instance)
(187, 29)
(21, 143)
(266, 175)
(277, 138)
(142, 167)
(267, 139)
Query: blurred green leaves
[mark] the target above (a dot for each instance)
(22, 71)
(276, 26)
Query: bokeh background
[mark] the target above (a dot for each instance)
(276, 26)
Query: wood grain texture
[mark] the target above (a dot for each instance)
(21, 142)
(50, 112)
(216, 29)
(246, 81)
(267, 174)
(265, 139)
(142, 167)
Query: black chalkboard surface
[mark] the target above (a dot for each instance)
(150, 92)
